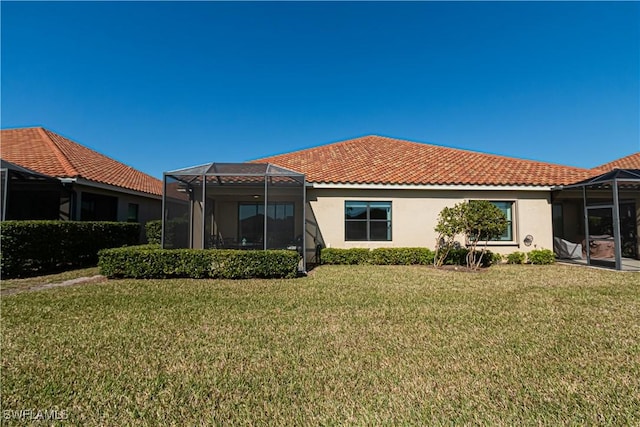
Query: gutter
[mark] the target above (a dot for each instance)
(319, 185)
(81, 181)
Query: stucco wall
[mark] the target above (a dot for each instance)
(148, 208)
(414, 215)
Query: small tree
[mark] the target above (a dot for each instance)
(482, 221)
(478, 220)
(449, 225)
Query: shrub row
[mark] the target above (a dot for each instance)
(516, 258)
(36, 247)
(541, 256)
(536, 256)
(153, 231)
(152, 262)
(398, 256)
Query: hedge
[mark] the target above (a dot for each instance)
(398, 256)
(36, 247)
(516, 258)
(152, 262)
(344, 256)
(541, 256)
(153, 231)
(401, 256)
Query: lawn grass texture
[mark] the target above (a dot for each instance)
(347, 345)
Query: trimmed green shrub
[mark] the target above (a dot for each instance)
(496, 259)
(153, 231)
(150, 262)
(344, 256)
(456, 256)
(36, 247)
(490, 258)
(541, 256)
(459, 257)
(401, 256)
(516, 258)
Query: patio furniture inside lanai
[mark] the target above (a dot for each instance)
(602, 215)
(248, 206)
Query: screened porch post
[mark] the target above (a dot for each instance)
(264, 232)
(5, 187)
(304, 224)
(164, 207)
(190, 193)
(586, 223)
(616, 224)
(204, 207)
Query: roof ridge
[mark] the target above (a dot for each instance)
(95, 152)
(344, 141)
(424, 144)
(606, 165)
(60, 155)
(466, 150)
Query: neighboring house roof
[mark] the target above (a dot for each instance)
(631, 161)
(19, 169)
(48, 153)
(381, 160)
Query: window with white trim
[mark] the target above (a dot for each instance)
(507, 208)
(367, 221)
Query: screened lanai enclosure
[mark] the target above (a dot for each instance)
(29, 195)
(597, 221)
(248, 206)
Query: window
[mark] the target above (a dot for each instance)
(367, 221)
(280, 224)
(96, 207)
(132, 212)
(507, 209)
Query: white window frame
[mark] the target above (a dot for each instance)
(514, 222)
(369, 220)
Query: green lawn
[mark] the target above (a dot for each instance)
(347, 345)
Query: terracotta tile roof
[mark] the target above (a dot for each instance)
(381, 160)
(631, 161)
(51, 154)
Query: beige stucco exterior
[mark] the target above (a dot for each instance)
(414, 214)
(149, 207)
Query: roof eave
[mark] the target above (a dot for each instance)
(115, 188)
(478, 187)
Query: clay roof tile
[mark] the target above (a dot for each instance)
(51, 154)
(382, 160)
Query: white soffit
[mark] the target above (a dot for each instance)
(320, 185)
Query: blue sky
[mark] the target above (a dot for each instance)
(166, 85)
